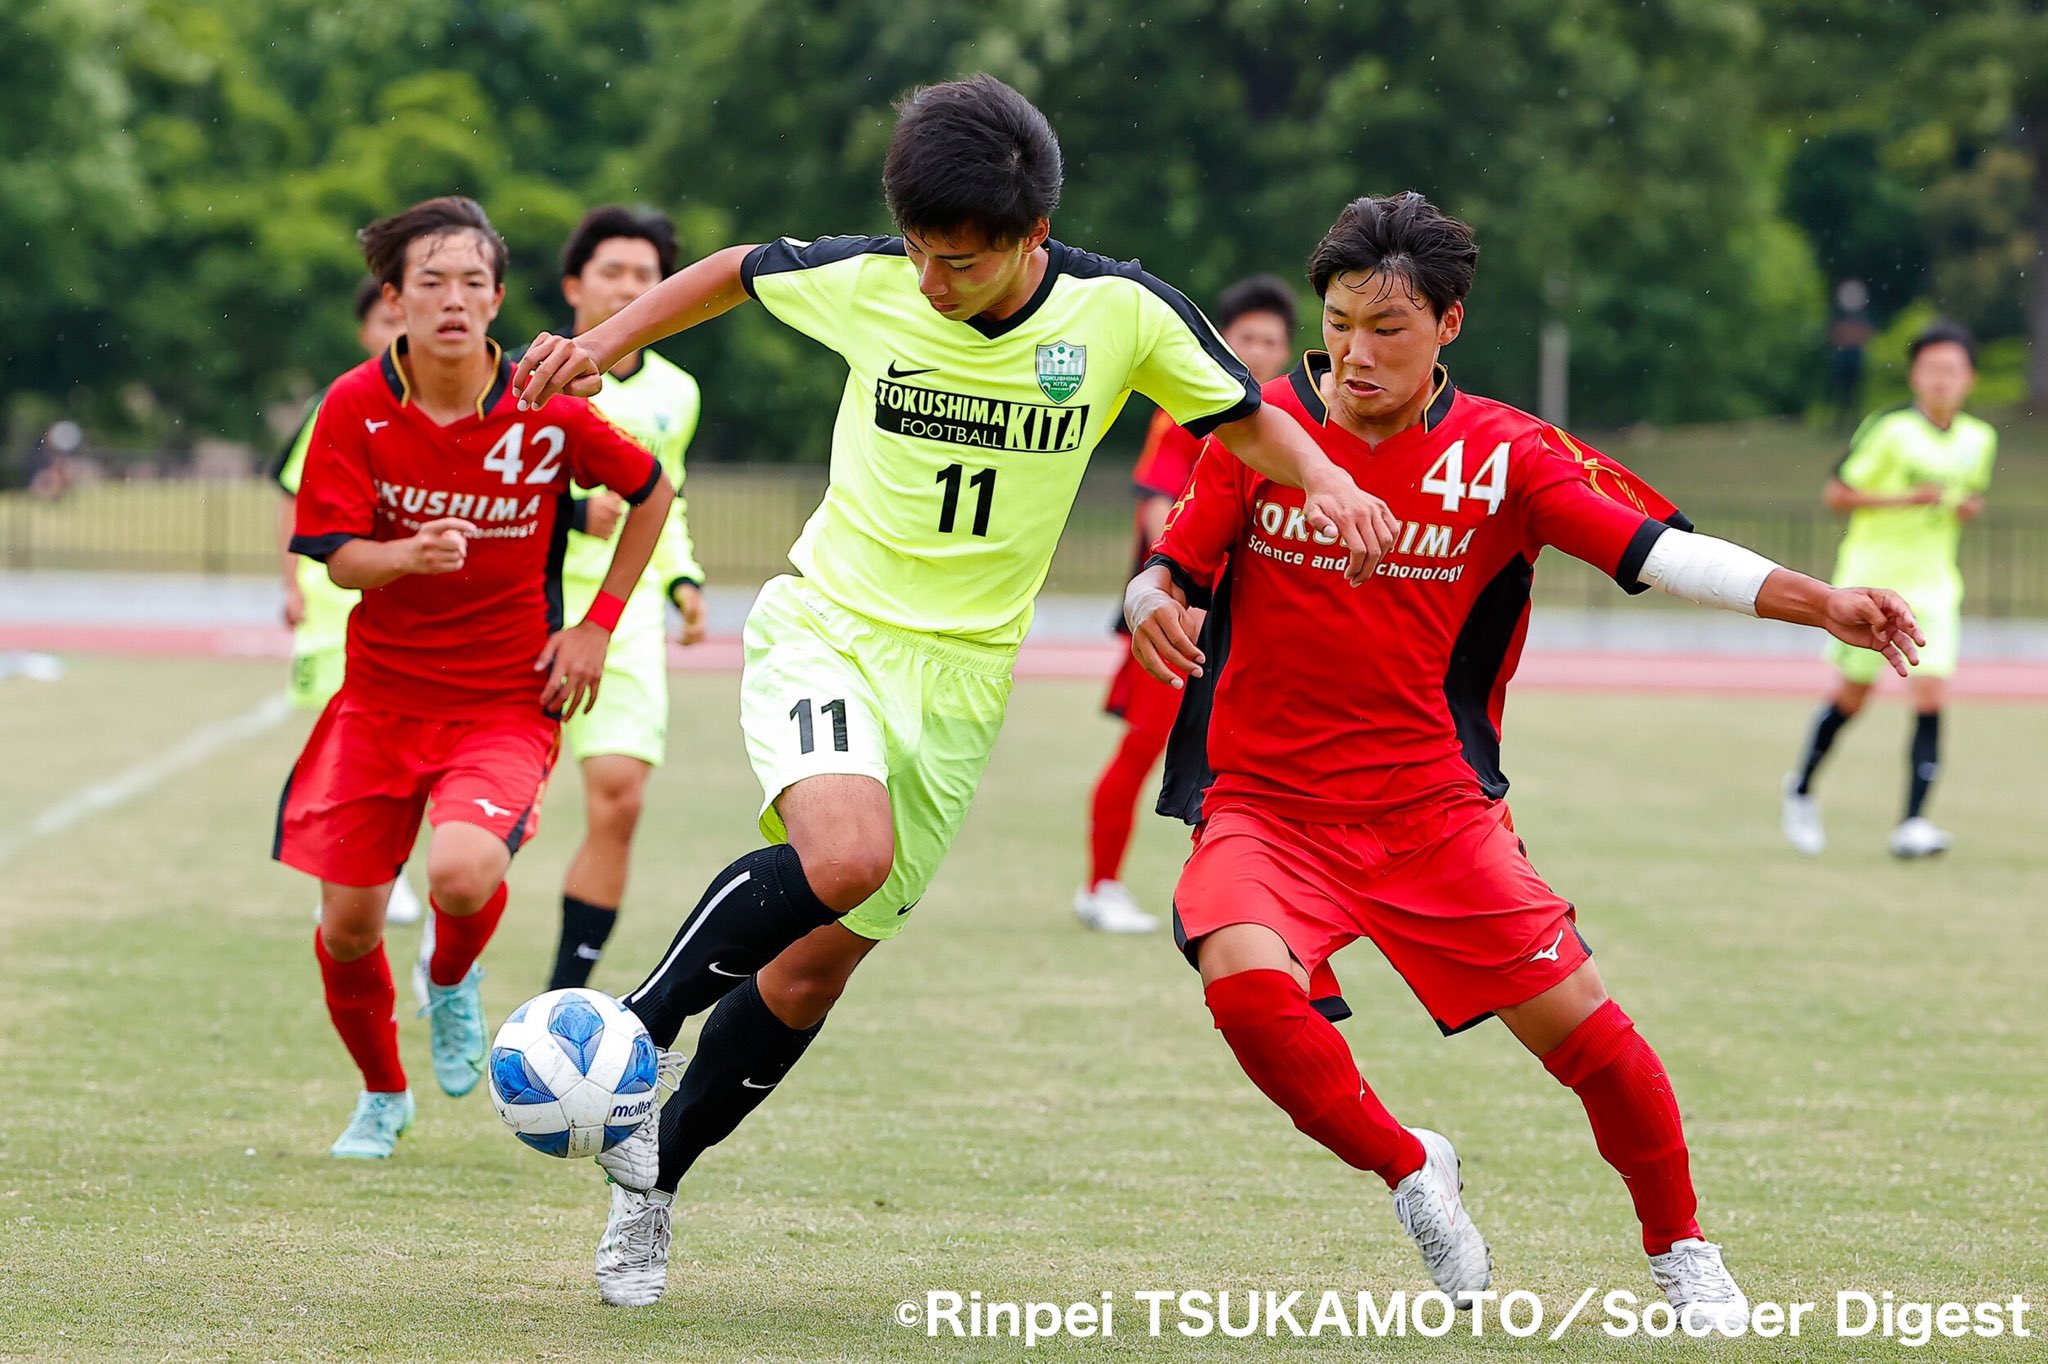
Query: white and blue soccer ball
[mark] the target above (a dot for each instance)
(572, 1073)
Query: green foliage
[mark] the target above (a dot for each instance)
(1631, 169)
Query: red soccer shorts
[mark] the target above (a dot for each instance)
(353, 803)
(1444, 891)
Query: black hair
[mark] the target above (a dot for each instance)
(971, 154)
(614, 221)
(369, 293)
(1943, 332)
(1258, 294)
(385, 240)
(1406, 238)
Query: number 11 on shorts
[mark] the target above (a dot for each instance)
(806, 736)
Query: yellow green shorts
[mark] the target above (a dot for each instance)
(631, 715)
(320, 643)
(1940, 613)
(829, 691)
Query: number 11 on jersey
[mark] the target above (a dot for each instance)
(983, 482)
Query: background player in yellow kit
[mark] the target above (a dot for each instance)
(615, 255)
(1913, 477)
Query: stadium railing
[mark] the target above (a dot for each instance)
(743, 518)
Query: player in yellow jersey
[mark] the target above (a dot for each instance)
(315, 609)
(985, 360)
(1913, 478)
(615, 255)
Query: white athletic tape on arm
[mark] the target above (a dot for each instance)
(1700, 568)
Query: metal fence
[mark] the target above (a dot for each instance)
(744, 517)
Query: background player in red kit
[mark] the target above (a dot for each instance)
(1341, 746)
(430, 491)
(1256, 317)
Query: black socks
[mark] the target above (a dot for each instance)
(584, 929)
(742, 1054)
(754, 908)
(1925, 759)
(1825, 727)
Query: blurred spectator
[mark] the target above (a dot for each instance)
(50, 474)
(1848, 333)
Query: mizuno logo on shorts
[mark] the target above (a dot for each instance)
(1549, 953)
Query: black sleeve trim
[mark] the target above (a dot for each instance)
(1197, 595)
(787, 253)
(579, 514)
(1628, 573)
(674, 583)
(646, 489)
(1238, 411)
(320, 546)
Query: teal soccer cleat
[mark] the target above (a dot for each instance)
(456, 1013)
(374, 1128)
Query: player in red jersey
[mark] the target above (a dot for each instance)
(1256, 317)
(430, 491)
(1340, 750)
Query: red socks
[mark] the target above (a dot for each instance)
(459, 939)
(1634, 1114)
(1298, 1060)
(1115, 804)
(361, 1001)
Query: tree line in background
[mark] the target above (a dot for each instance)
(1679, 182)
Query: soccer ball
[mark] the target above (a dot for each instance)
(572, 1073)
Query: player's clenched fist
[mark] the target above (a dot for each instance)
(1873, 618)
(440, 546)
(556, 364)
(1361, 522)
(1163, 627)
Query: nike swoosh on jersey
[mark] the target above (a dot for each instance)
(895, 373)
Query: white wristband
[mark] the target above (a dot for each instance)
(1700, 568)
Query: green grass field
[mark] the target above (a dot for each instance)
(1004, 1103)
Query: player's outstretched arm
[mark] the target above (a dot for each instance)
(577, 364)
(1274, 444)
(574, 658)
(1713, 572)
(1163, 626)
(439, 546)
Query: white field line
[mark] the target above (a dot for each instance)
(194, 749)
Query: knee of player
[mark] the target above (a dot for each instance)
(845, 880)
(802, 1001)
(616, 810)
(461, 885)
(350, 942)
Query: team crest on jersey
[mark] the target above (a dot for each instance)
(1061, 367)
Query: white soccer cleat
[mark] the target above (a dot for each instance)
(635, 1163)
(404, 905)
(1799, 817)
(1109, 908)
(1431, 1211)
(421, 983)
(632, 1259)
(1700, 1287)
(1917, 837)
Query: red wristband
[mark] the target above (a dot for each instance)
(604, 611)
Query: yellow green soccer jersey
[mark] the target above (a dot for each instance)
(325, 624)
(657, 405)
(959, 446)
(1895, 452)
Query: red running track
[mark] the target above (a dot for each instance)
(1576, 670)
